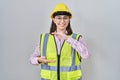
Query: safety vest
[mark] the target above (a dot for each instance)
(67, 65)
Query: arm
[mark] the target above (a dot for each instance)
(35, 55)
(36, 59)
(79, 46)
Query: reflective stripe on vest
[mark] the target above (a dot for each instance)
(47, 69)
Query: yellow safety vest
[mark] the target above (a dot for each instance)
(67, 65)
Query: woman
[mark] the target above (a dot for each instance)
(60, 51)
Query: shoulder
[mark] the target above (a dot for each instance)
(45, 34)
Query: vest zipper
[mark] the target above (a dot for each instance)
(58, 68)
(58, 61)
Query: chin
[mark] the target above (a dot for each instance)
(62, 28)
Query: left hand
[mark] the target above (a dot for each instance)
(61, 35)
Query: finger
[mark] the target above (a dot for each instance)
(54, 33)
(42, 57)
(49, 61)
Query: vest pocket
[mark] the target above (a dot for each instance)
(52, 57)
(48, 75)
(45, 74)
(66, 61)
(74, 75)
(52, 63)
(53, 75)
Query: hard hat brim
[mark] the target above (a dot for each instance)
(61, 13)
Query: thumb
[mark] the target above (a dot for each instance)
(53, 32)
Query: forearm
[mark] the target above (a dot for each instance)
(35, 55)
(36, 59)
(79, 46)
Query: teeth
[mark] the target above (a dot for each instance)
(62, 24)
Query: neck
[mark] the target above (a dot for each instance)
(61, 31)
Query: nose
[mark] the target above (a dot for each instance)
(62, 20)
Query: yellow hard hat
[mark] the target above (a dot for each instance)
(61, 7)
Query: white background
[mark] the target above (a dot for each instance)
(22, 21)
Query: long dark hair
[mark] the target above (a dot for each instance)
(54, 27)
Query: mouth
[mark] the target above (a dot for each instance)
(62, 25)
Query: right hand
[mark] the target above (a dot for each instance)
(44, 60)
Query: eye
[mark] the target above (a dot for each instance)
(65, 18)
(58, 18)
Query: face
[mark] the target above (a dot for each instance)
(61, 21)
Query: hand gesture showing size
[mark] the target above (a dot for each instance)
(45, 60)
(61, 35)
